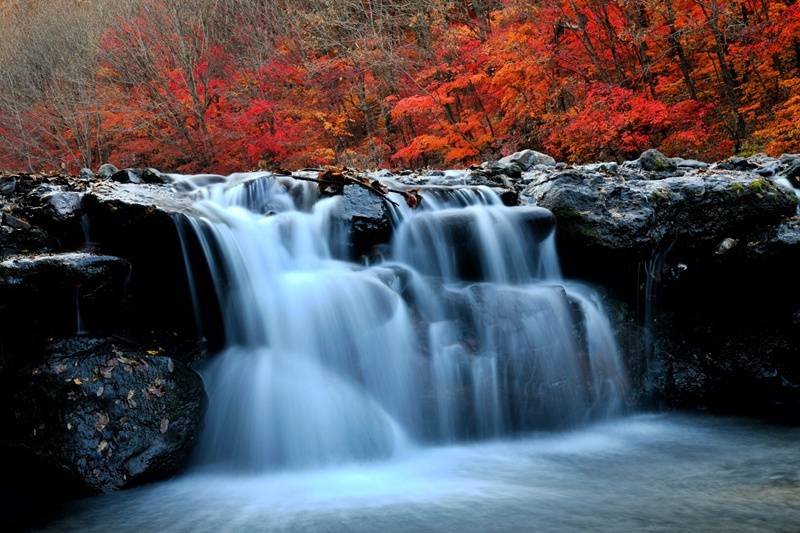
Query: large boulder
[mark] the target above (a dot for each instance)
(148, 226)
(654, 161)
(366, 217)
(611, 213)
(58, 294)
(105, 415)
(527, 159)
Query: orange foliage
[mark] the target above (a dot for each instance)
(581, 79)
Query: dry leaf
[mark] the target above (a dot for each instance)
(102, 446)
(102, 422)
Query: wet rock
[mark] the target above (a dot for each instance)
(733, 366)
(58, 294)
(106, 171)
(790, 169)
(126, 176)
(151, 175)
(654, 161)
(86, 174)
(366, 217)
(8, 184)
(527, 159)
(691, 164)
(613, 213)
(140, 223)
(108, 415)
(63, 206)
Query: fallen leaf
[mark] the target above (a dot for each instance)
(102, 422)
(164, 425)
(102, 446)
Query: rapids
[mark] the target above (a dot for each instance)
(464, 330)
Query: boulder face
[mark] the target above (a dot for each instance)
(108, 416)
(616, 214)
(59, 294)
(365, 216)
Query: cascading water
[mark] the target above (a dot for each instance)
(466, 330)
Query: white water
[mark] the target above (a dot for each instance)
(661, 473)
(465, 331)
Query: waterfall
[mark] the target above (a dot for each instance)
(465, 330)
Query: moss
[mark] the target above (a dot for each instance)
(759, 185)
(658, 195)
(737, 187)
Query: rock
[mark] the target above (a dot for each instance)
(107, 415)
(791, 169)
(612, 213)
(127, 176)
(746, 367)
(527, 159)
(692, 164)
(64, 206)
(151, 175)
(58, 294)
(654, 161)
(8, 184)
(86, 174)
(106, 171)
(140, 223)
(366, 217)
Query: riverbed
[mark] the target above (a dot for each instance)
(659, 472)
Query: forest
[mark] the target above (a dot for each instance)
(223, 85)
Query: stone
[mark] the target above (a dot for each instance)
(366, 217)
(107, 414)
(8, 184)
(106, 170)
(610, 212)
(86, 174)
(59, 293)
(527, 159)
(654, 161)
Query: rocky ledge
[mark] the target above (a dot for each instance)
(699, 263)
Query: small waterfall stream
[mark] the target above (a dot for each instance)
(465, 330)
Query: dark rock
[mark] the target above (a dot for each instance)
(598, 211)
(58, 294)
(366, 217)
(15, 222)
(141, 224)
(745, 367)
(106, 171)
(8, 184)
(107, 415)
(738, 163)
(127, 176)
(791, 169)
(654, 161)
(151, 175)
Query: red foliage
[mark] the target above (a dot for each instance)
(581, 79)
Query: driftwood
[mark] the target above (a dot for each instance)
(338, 178)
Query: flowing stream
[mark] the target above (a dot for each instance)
(465, 330)
(457, 383)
